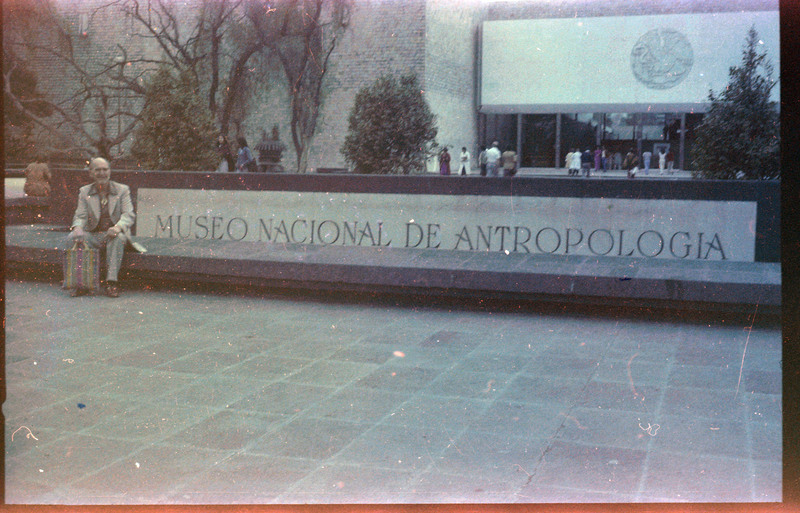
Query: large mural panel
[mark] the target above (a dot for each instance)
(616, 63)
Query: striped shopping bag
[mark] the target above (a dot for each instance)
(81, 267)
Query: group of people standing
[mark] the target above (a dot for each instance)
(245, 161)
(464, 162)
(576, 161)
(490, 161)
(666, 161)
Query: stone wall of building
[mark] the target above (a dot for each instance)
(384, 37)
(435, 39)
(450, 79)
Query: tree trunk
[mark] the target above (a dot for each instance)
(235, 84)
(302, 158)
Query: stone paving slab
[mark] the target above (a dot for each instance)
(162, 397)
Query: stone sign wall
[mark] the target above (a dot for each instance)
(675, 229)
(677, 220)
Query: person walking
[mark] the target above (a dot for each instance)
(575, 164)
(586, 163)
(464, 159)
(646, 156)
(444, 162)
(493, 159)
(670, 162)
(509, 163)
(631, 164)
(245, 160)
(482, 160)
(224, 149)
(662, 161)
(568, 162)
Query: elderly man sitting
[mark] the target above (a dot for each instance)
(103, 219)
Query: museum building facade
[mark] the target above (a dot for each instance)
(627, 77)
(538, 77)
(542, 77)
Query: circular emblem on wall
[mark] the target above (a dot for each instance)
(661, 58)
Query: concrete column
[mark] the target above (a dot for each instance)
(638, 134)
(519, 140)
(558, 139)
(598, 130)
(681, 164)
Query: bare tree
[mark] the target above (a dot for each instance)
(225, 45)
(305, 54)
(221, 43)
(194, 46)
(88, 118)
(215, 41)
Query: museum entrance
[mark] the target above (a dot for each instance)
(543, 140)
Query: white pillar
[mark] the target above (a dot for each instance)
(558, 139)
(681, 164)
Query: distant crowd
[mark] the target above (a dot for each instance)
(602, 160)
(490, 161)
(494, 162)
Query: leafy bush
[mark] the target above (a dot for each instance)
(391, 128)
(740, 134)
(177, 128)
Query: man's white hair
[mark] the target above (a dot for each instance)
(91, 162)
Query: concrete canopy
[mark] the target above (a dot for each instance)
(652, 63)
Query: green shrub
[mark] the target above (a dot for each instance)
(391, 128)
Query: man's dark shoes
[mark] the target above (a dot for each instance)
(112, 290)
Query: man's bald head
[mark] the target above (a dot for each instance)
(100, 170)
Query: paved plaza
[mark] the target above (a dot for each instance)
(193, 397)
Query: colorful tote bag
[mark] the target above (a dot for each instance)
(81, 267)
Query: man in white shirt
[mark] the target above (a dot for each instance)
(465, 161)
(493, 155)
